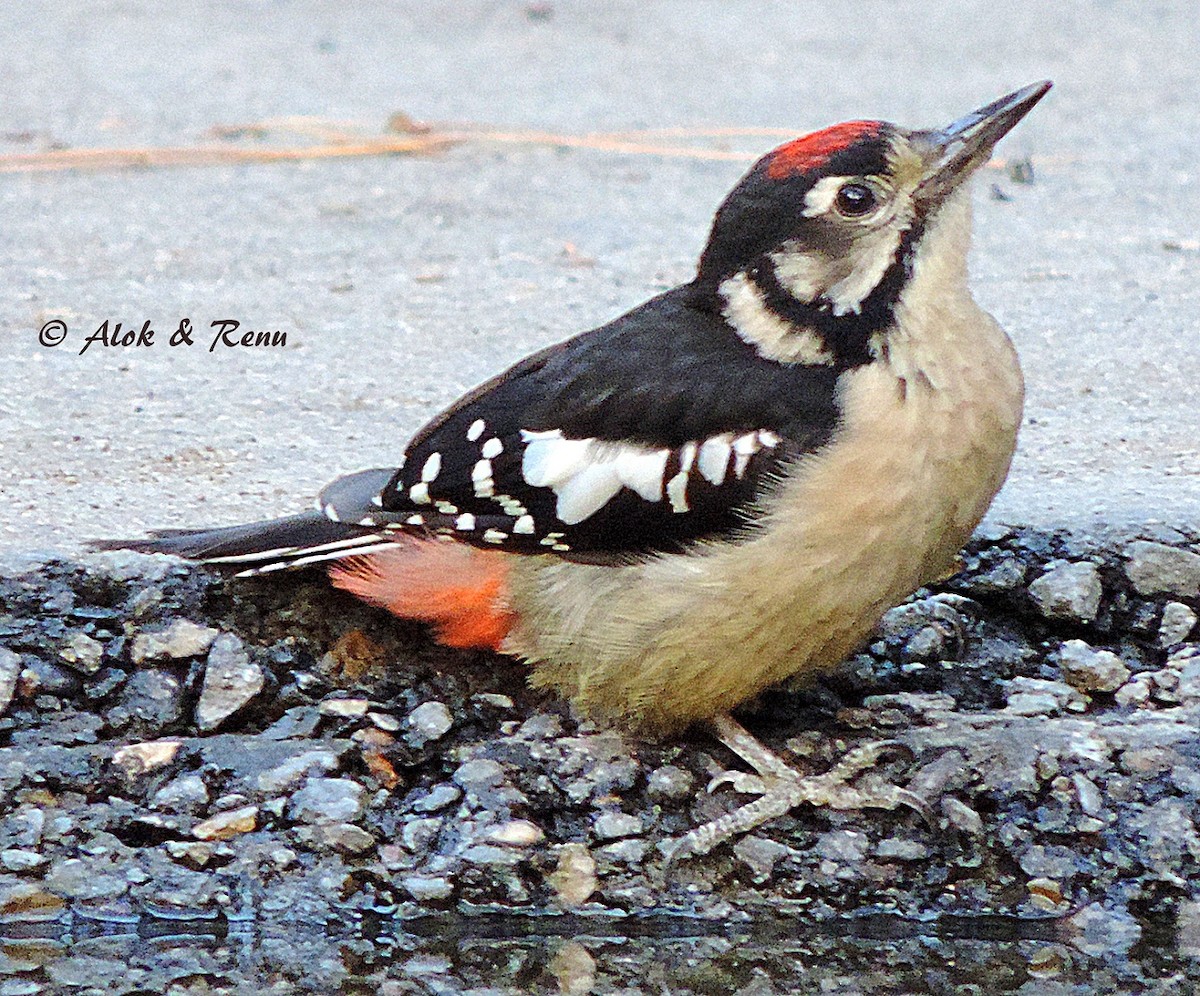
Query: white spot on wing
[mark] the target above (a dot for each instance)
(331, 513)
(714, 458)
(677, 492)
(465, 522)
(415, 520)
(524, 525)
(492, 448)
(433, 467)
(494, 536)
(418, 494)
(476, 430)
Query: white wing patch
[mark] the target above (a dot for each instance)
(586, 474)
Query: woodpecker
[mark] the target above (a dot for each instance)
(728, 485)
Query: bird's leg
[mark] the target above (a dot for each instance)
(781, 788)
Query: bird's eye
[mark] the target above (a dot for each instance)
(855, 199)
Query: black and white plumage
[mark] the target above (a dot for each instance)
(751, 467)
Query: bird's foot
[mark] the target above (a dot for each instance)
(781, 788)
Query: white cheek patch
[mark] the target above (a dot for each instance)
(772, 337)
(871, 258)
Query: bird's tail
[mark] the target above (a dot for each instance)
(335, 531)
(271, 545)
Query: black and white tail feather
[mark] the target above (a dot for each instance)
(331, 532)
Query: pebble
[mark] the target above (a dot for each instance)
(898, 849)
(1069, 591)
(343, 837)
(428, 722)
(231, 681)
(574, 877)
(345, 708)
(83, 653)
(517, 833)
(16, 860)
(670, 783)
(226, 825)
(193, 853)
(1157, 569)
(10, 671)
(1091, 670)
(152, 698)
(760, 855)
(328, 800)
(1178, 621)
(182, 638)
(437, 798)
(479, 775)
(137, 759)
(181, 795)
(424, 888)
(961, 816)
(613, 825)
(1039, 697)
(291, 772)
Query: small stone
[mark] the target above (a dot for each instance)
(1135, 692)
(1039, 697)
(83, 653)
(10, 671)
(479, 775)
(283, 777)
(226, 825)
(1090, 799)
(343, 837)
(1157, 569)
(492, 699)
(487, 854)
(283, 857)
(328, 800)
(16, 860)
(384, 721)
(193, 853)
(574, 969)
(574, 877)
(613, 825)
(517, 833)
(429, 721)
(961, 816)
(181, 638)
(231, 681)
(898, 849)
(1178, 621)
(1097, 931)
(181, 795)
(345, 708)
(418, 835)
(670, 783)
(137, 759)
(153, 699)
(1069, 591)
(842, 845)
(76, 878)
(1091, 670)
(424, 888)
(760, 855)
(1046, 894)
(437, 798)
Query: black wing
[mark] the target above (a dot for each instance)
(641, 435)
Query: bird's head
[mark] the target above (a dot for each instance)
(823, 232)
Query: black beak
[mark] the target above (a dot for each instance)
(954, 152)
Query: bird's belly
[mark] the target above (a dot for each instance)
(848, 533)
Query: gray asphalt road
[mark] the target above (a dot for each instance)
(400, 282)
